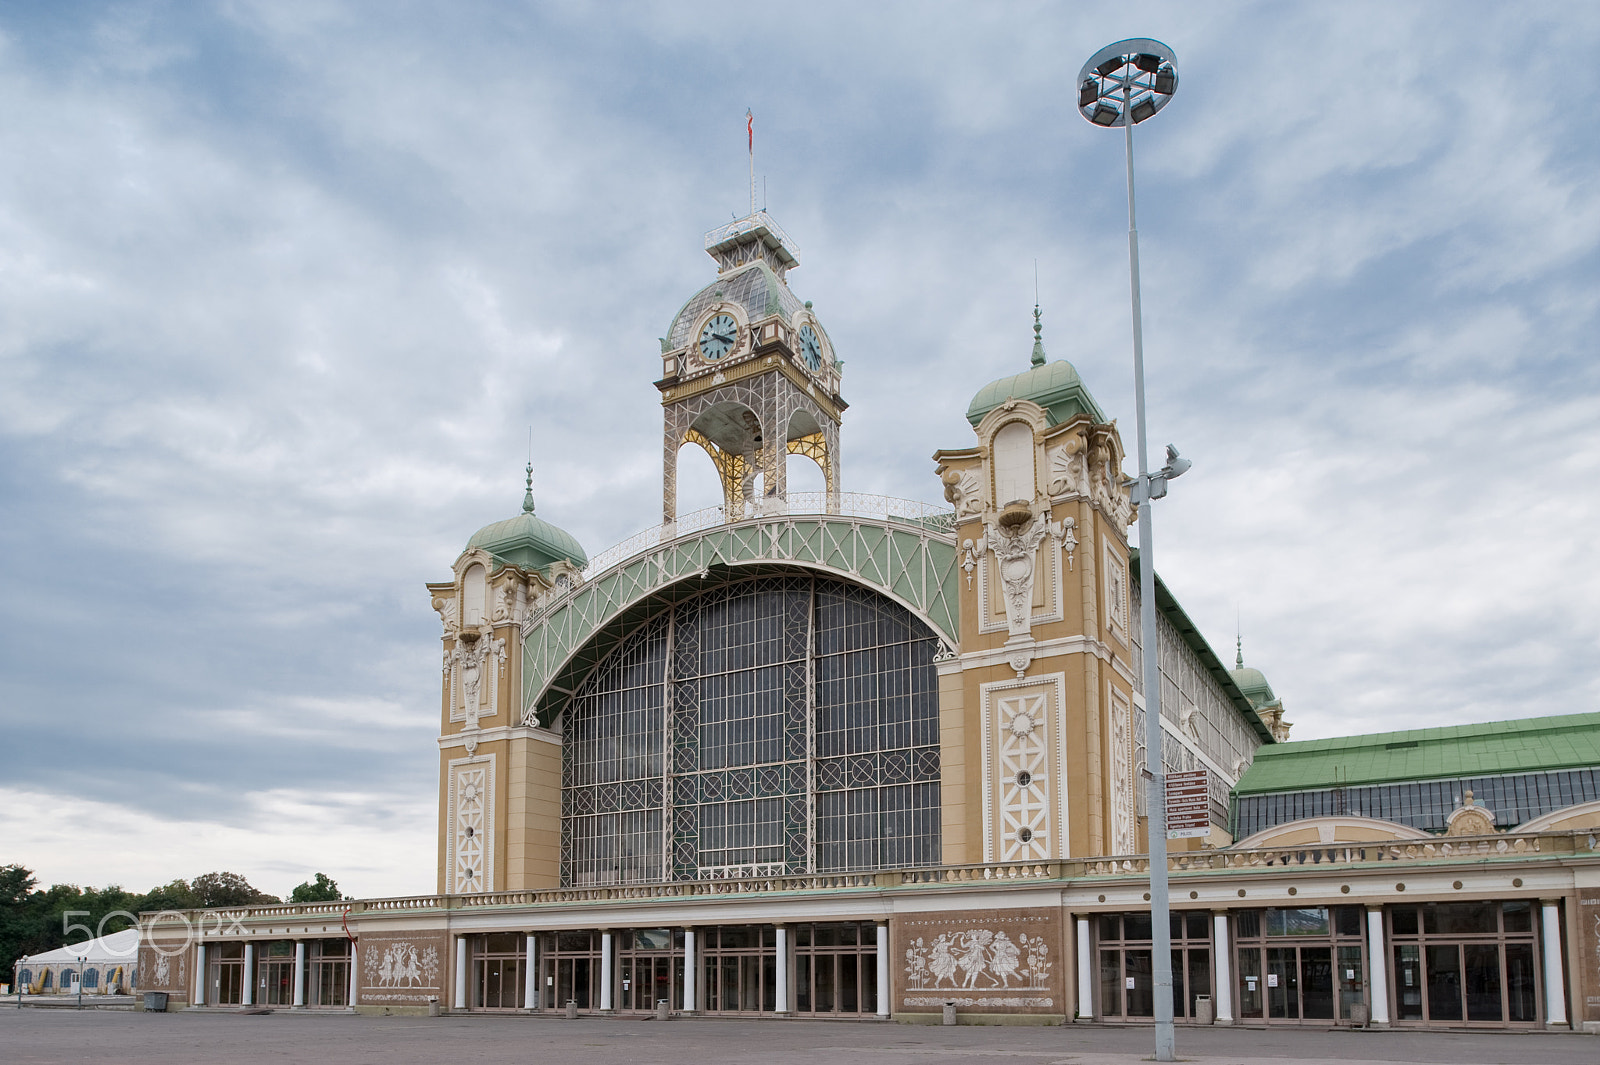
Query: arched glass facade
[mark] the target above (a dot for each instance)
(773, 725)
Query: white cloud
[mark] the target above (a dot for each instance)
(282, 286)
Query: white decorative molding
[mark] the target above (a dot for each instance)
(1024, 816)
(466, 666)
(1114, 577)
(1016, 558)
(1069, 471)
(1124, 836)
(470, 817)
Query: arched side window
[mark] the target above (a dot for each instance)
(760, 696)
(91, 978)
(474, 589)
(1013, 464)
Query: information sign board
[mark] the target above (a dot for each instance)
(1188, 804)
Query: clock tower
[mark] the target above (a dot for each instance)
(749, 375)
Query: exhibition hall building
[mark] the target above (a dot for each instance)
(824, 754)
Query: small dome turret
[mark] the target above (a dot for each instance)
(1055, 386)
(528, 540)
(1252, 684)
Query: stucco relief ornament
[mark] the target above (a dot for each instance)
(447, 612)
(968, 562)
(502, 603)
(469, 656)
(1067, 473)
(1014, 549)
(961, 490)
(1066, 535)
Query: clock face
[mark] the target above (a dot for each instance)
(719, 336)
(810, 348)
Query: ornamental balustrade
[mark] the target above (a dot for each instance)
(1510, 846)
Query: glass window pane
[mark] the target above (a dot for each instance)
(1482, 980)
(1444, 983)
(1518, 916)
(1251, 984)
(1459, 918)
(1111, 983)
(1139, 983)
(1522, 1002)
(1403, 920)
(1316, 982)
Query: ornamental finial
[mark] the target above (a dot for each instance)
(527, 496)
(1238, 655)
(1038, 338)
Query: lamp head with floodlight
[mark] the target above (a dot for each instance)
(1130, 79)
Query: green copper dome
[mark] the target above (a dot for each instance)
(1055, 386)
(1252, 683)
(528, 541)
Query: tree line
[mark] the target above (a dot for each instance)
(34, 919)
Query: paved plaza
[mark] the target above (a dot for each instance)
(56, 1036)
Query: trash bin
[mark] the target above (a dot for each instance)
(1204, 1011)
(433, 1007)
(949, 1013)
(155, 1002)
(572, 1009)
(663, 1009)
(1358, 1015)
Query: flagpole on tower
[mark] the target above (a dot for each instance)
(750, 131)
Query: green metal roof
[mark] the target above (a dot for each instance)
(1191, 635)
(1055, 386)
(1522, 746)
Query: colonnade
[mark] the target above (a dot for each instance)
(1555, 991)
(783, 993)
(247, 989)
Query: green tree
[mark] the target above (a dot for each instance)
(177, 895)
(322, 889)
(227, 889)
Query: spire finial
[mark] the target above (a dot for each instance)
(527, 496)
(1038, 338)
(1238, 657)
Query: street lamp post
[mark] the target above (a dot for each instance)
(1124, 84)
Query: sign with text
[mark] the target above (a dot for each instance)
(1188, 804)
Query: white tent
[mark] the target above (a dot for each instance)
(98, 960)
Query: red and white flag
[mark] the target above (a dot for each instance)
(750, 128)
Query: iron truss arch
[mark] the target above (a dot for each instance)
(911, 563)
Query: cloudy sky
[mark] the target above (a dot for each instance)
(284, 284)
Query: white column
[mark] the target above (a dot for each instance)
(1085, 972)
(299, 973)
(781, 967)
(200, 973)
(607, 943)
(530, 984)
(248, 998)
(1555, 985)
(1222, 955)
(1378, 968)
(355, 978)
(884, 991)
(461, 973)
(689, 959)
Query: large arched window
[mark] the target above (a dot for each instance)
(775, 725)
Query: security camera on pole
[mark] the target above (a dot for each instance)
(1122, 85)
